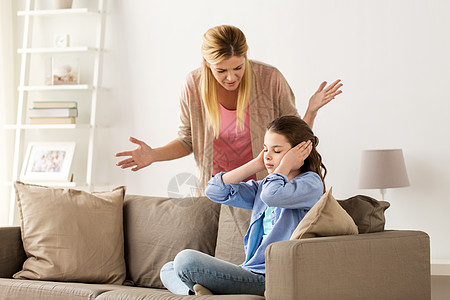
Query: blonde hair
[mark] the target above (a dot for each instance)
(220, 43)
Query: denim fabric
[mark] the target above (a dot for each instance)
(220, 277)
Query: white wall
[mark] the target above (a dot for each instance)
(391, 55)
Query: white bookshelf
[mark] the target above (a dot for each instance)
(88, 91)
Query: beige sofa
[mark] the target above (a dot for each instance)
(374, 264)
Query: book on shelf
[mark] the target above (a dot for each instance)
(53, 112)
(55, 104)
(42, 121)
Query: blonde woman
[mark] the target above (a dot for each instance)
(225, 107)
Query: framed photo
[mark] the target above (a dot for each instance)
(48, 161)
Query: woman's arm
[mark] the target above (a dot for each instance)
(144, 155)
(320, 98)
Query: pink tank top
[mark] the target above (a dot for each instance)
(231, 149)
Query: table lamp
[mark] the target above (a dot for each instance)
(382, 169)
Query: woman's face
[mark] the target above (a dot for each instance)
(275, 147)
(229, 72)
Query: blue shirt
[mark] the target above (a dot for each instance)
(292, 199)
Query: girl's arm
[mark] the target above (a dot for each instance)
(227, 188)
(252, 167)
(302, 192)
(238, 195)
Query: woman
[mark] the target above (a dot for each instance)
(225, 106)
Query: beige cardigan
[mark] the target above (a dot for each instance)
(270, 98)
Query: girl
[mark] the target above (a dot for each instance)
(278, 203)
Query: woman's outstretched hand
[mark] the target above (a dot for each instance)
(141, 157)
(294, 158)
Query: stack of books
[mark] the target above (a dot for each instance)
(53, 112)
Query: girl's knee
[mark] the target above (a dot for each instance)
(185, 260)
(167, 267)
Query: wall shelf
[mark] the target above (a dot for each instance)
(56, 50)
(48, 126)
(52, 12)
(52, 183)
(62, 87)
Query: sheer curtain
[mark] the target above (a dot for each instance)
(7, 102)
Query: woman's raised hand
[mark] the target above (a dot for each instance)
(324, 95)
(141, 157)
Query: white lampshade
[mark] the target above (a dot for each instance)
(382, 169)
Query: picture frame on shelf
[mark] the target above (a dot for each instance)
(48, 161)
(63, 70)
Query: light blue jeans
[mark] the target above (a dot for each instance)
(220, 277)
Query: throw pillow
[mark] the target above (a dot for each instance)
(71, 235)
(233, 225)
(158, 228)
(326, 218)
(367, 212)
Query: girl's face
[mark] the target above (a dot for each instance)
(229, 72)
(275, 147)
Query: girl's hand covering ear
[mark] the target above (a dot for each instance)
(295, 157)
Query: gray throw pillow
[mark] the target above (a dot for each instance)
(367, 212)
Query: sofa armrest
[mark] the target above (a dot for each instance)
(383, 265)
(12, 255)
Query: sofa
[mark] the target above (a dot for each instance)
(373, 264)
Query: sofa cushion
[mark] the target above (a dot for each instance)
(157, 228)
(233, 225)
(45, 290)
(326, 218)
(367, 212)
(71, 235)
(140, 293)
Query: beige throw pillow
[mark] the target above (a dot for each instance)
(158, 228)
(71, 235)
(326, 218)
